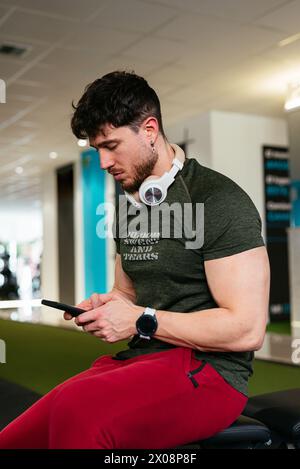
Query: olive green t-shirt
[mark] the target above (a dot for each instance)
(168, 276)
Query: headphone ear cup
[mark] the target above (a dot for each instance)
(144, 186)
(158, 190)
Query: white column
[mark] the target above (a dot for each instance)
(294, 274)
(49, 278)
(78, 235)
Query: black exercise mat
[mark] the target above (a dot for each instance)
(14, 399)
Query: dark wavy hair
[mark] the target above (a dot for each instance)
(119, 98)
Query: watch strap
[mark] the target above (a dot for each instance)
(150, 311)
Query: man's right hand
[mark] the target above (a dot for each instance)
(94, 301)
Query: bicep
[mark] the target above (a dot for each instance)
(122, 282)
(241, 284)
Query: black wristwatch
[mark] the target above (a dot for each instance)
(147, 324)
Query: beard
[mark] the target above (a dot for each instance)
(143, 169)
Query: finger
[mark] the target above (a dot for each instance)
(85, 304)
(67, 316)
(96, 300)
(99, 299)
(91, 327)
(100, 334)
(88, 316)
(105, 297)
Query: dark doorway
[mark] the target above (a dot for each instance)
(65, 209)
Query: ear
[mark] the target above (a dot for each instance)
(151, 128)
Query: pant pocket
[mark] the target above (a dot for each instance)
(192, 366)
(191, 374)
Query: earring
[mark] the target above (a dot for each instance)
(152, 145)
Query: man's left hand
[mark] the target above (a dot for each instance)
(113, 321)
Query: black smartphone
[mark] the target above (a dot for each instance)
(68, 308)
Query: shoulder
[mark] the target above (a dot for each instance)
(232, 223)
(206, 185)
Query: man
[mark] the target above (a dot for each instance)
(194, 314)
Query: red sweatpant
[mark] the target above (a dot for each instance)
(147, 402)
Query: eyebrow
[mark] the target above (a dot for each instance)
(106, 142)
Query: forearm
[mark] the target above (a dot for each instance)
(216, 329)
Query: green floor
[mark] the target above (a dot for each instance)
(39, 357)
(280, 327)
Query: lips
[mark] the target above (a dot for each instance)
(117, 176)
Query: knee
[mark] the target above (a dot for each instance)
(69, 403)
(78, 418)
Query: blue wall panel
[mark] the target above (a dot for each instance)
(93, 193)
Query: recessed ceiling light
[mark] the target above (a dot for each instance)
(293, 96)
(19, 170)
(291, 105)
(82, 143)
(53, 155)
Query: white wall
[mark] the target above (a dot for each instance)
(197, 130)
(231, 143)
(49, 277)
(20, 225)
(294, 273)
(237, 141)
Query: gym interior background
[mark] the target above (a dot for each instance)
(228, 76)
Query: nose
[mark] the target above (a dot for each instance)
(106, 159)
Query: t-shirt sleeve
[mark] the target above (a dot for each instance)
(232, 224)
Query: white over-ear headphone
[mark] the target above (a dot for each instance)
(153, 190)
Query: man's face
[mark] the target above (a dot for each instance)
(126, 155)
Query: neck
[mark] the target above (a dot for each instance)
(165, 157)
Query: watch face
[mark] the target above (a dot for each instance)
(146, 324)
(153, 195)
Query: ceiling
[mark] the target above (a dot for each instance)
(198, 55)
